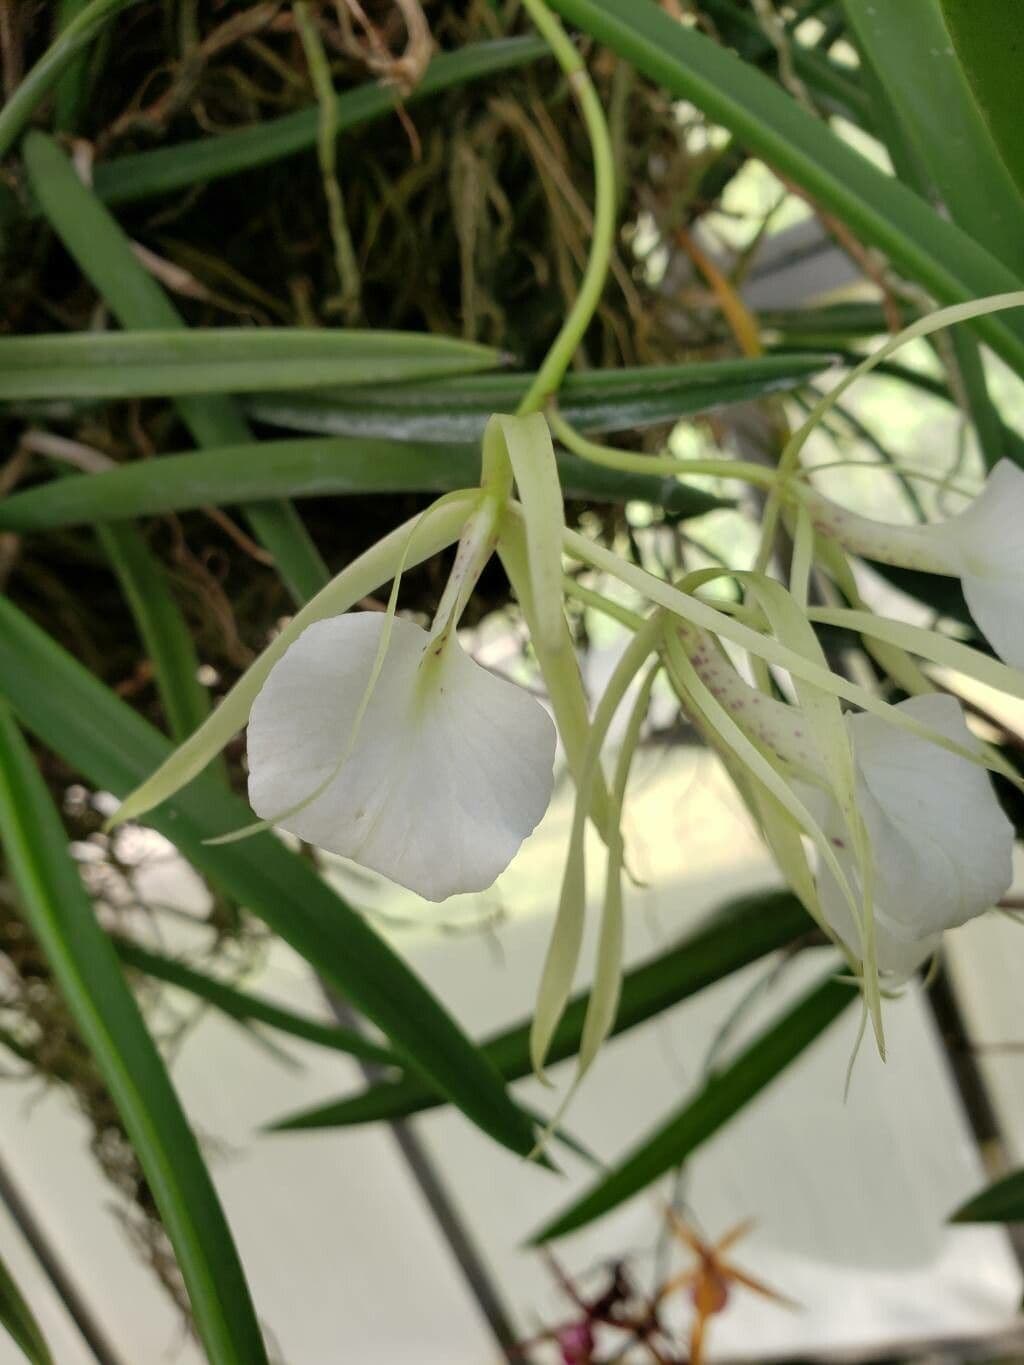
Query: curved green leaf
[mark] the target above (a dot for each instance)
(72, 40)
(61, 917)
(245, 1007)
(989, 39)
(724, 1095)
(165, 636)
(140, 175)
(21, 1326)
(457, 410)
(105, 257)
(881, 211)
(738, 933)
(308, 468)
(908, 46)
(1002, 1202)
(832, 84)
(222, 360)
(71, 90)
(115, 748)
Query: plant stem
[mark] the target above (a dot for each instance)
(629, 462)
(326, 142)
(550, 374)
(79, 32)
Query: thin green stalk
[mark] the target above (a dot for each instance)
(628, 462)
(789, 462)
(558, 358)
(44, 75)
(326, 148)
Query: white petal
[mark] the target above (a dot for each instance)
(996, 605)
(989, 537)
(444, 780)
(942, 845)
(894, 956)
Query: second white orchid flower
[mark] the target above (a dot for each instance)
(940, 845)
(983, 546)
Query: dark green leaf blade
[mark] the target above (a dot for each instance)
(909, 48)
(61, 917)
(243, 1006)
(598, 400)
(722, 1097)
(736, 934)
(1002, 1202)
(307, 468)
(17, 1318)
(165, 635)
(184, 362)
(114, 747)
(989, 39)
(141, 175)
(104, 255)
(74, 38)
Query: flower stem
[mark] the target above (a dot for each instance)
(326, 140)
(555, 364)
(789, 462)
(629, 462)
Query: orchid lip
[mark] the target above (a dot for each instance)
(450, 770)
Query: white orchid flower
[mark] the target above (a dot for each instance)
(983, 546)
(384, 742)
(941, 845)
(435, 785)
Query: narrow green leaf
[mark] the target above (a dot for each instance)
(115, 748)
(929, 168)
(1002, 1202)
(16, 1316)
(140, 175)
(736, 934)
(244, 1006)
(61, 917)
(165, 636)
(104, 255)
(456, 410)
(836, 320)
(830, 82)
(939, 144)
(989, 39)
(73, 39)
(308, 468)
(221, 360)
(723, 1096)
(70, 92)
(908, 46)
(995, 438)
(882, 212)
